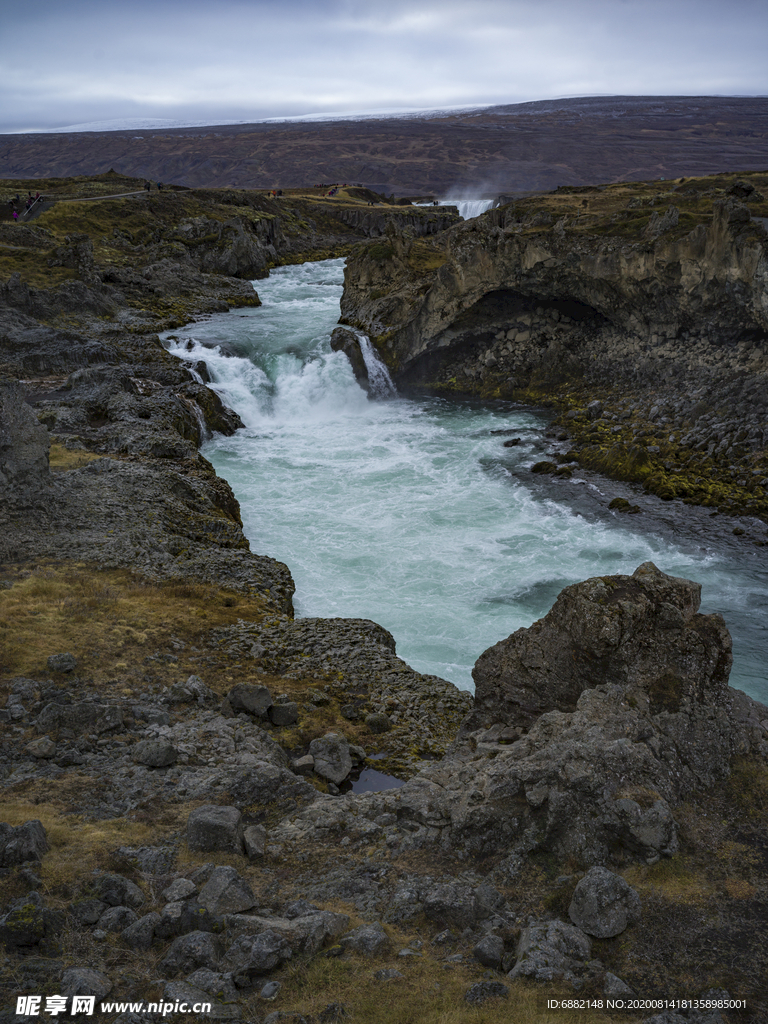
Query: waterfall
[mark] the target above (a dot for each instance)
(378, 375)
(469, 208)
(197, 412)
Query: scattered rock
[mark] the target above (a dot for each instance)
(191, 691)
(332, 757)
(452, 904)
(185, 992)
(141, 933)
(27, 842)
(226, 892)
(43, 747)
(254, 840)
(551, 950)
(482, 991)
(254, 700)
(87, 912)
(251, 956)
(304, 765)
(615, 987)
(154, 753)
(368, 939)
(117, 919)
(25, 923)
(489, 951)
(117, 891)
(332, 1013)
(284, 714)
(594, 410)
(218, 985)
(84, 981)
(180, 889)
(62, 663)
(214, 827)
(603, 904)
(188, 952)
(378, 722)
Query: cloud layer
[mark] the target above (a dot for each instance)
(85, 61)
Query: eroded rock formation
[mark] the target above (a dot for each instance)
(589, 729)
(563, 300)
(586, 294)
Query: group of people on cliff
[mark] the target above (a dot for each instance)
(15, 204)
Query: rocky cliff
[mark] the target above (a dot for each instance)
(653, 295)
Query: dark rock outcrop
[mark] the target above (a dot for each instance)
(547, 305)
(641, 631)
(346, 341)
(24, 445)
(589, 729)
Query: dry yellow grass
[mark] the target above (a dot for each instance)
(62, 459)
(429, 992)
(110, 620)
(79, 847)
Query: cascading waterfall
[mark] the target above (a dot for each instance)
(469, 208)
(378, 375)
(413, 513)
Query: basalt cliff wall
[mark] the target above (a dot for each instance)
(659, 297)
(696, 300)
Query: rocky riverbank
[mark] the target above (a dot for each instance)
(637, 312)
(186, 814)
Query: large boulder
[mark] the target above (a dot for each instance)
(27, 842)
(640, 631)
(226, 892)
(589, 730)
(213, 827)
(604, 904)
(333, 760)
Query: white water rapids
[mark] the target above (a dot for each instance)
(411, 512)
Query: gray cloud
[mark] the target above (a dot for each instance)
(85, 61)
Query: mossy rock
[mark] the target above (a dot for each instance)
(622, 505)
(660, 485)
(666, 693)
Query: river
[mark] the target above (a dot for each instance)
(411, 512)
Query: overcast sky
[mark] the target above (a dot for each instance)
(87, 60)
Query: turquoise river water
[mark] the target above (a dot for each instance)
(411, 512)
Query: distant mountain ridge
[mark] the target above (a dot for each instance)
(520, 147)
